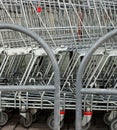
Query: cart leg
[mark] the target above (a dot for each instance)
(86, 120)
(109, 116)
(50, 120)
(3, 118)
(113, 124)
(26, 119)
(34, 114)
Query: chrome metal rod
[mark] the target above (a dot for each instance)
(99, 91)
(27, 88)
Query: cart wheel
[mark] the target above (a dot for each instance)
(3, 118)
(50, 122)
(113, 124)
(87, 126)
(34, 117)
(26, 122)
(106, 121)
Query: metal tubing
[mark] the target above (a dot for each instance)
(99, 91)
(27, 88)
(80, 75)
(54, 63)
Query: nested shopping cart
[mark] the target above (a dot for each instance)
(70, 28)
(19, 91)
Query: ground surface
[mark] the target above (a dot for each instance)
(40, 124)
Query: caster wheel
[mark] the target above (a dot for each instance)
(50, 122)
(3, 118)
(106, 120)
(26, 122)
(113, 124)
(34, 118)
(52, 113)
(87, 126)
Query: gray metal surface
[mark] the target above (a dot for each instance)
(27, 88)
(99, 91)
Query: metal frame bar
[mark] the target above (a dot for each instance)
(23, 88)
(99, 91)
(43, 44)
(80, 75)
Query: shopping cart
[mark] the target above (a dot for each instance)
(70, 28)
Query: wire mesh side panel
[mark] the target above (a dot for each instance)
(63, 22)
